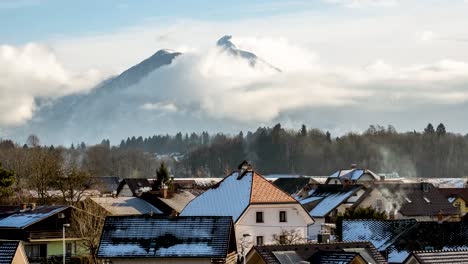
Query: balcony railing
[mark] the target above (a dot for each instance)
(50, 234)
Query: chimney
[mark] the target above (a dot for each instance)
(164, 192)
(353, 166)
(22, 206)
(32, 206)
(243, 167)
(382, 177)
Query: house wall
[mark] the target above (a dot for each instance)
(55, 248)
(315, 228)
(161, 261)
(20, 256)
(371, 200)
(125, 192)
(297, 219)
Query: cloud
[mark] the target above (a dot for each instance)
(427, 36)
(32, 72)
(164, 107)
(225, 87)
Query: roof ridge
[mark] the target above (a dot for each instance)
(442, 250)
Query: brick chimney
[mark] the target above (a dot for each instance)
(22, 206)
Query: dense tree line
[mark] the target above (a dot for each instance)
(430, 153)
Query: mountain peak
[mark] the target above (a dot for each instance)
(225, 42)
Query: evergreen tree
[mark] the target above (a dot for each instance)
(7, 178)
(429, 130)
(303, 131)
(441, 130)
(162, 176)
(328, 137)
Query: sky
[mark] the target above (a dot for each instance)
(399, 62)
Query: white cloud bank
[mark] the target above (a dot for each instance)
(323, 58)
(32, 72)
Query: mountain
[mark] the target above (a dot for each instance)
(136, 102)
(226, 44)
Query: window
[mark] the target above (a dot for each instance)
(379, 205)
(259, 217)
(282, 216)
(36, 251)
(259, 240)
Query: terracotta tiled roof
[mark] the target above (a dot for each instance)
(264, 191)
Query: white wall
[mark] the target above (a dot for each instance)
(297, 219)
(315, 228)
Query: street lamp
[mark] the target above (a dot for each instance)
(64, 248)
(244, 237)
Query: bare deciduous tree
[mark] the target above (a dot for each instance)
(87, 220)
(287, 237)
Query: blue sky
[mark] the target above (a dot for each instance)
(33, 20)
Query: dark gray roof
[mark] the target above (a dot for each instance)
(135, 185)
(291, 185)
(166, 237)
(427, 201)
(333, 257)
(398, 238)
(7, 251)
(107, 184)
(307, 250)
(441, 257)
(29, 217)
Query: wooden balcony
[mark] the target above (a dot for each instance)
(50, 234)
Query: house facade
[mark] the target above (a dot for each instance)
(40, 230)
(325, 201)
(262, 213)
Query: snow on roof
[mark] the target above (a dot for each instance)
(126, 205)
(162, 236)
(353, 174)
(376, 232)
(8, 251)
(230, 197)
(329, 202)
(179, 200)
(27, 218)
(310, 199)
(397, 256)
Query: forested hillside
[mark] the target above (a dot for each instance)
(431, 152)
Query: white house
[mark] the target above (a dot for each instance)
(262, 213)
